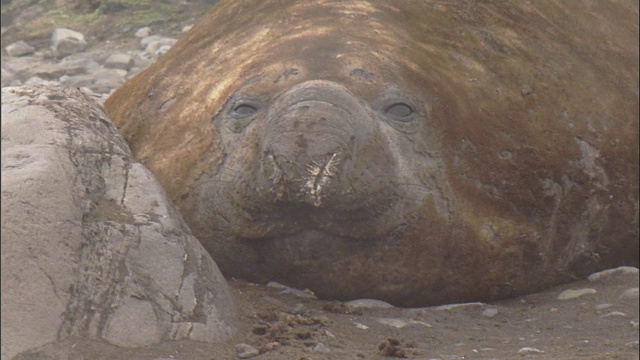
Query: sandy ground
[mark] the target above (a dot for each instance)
(602, 323)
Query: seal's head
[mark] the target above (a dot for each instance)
(416, 152)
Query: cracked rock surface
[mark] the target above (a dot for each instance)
(91, 246)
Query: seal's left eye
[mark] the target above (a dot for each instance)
(399, 110)
(245, 109)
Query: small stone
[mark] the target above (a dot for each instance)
(603, 306)
(245, 351)
(19, 48)
(614, 314)
(456, 306)
(288, 290)
(156, 43)
(186, 28)
(529, 351)
(572, 294)
(490, 312)
(633, 344)
(144, 42)
(162, 50)
(143, 32)
(66, 42)
(368, 303)
(400, 323)
(360, 326)
(635, 324)
(630, 294)
(320, 347)
(623, 270)
(269, 347)
(396, 323)
(119, 61)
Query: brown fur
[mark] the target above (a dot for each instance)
(530, 129)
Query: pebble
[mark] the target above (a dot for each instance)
(320, 347)
(368, 303)
(143, 32)
(66, 42)
(529, 351)
(572, 294)
(119, 61)
(630, 294)
(288, 290)
(603, 306)
(19, 48)
(400, 323)
(623, 270)
(245, 351)
(360, 325)
(490, 312)
(97, 71)
(456, 306)
(614, 314)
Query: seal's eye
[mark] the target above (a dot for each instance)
(244, 109)
(399, 110)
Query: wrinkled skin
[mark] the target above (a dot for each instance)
(417, 152)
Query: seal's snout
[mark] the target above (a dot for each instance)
(310, 142)
(309, 184)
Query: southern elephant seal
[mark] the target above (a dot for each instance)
(417, 152)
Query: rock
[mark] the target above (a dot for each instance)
(55, 71)
(91, 246)
(292, 291)
(107, 80)
(630, 294)
(158, 45)
(603, 306)
(78, 80)
(368, 303)
(66, 42)
(456, 306)
(490, 312)
(622, 270)
(139, 61)
(144, 42)
(529, 351)
(37, 81)
(320, 347)
(8, 78)
(186, 28)
(614, 314)
(572, 294)
(143, 32)
(360, 326)
(246, 351)
(400, 323)
(119, 61)
(19, 48)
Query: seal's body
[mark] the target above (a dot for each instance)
(417, 152)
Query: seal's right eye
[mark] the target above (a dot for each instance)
(399, 110)
(243, 109)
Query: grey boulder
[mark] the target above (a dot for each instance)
(66, 42)
(91, 246)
